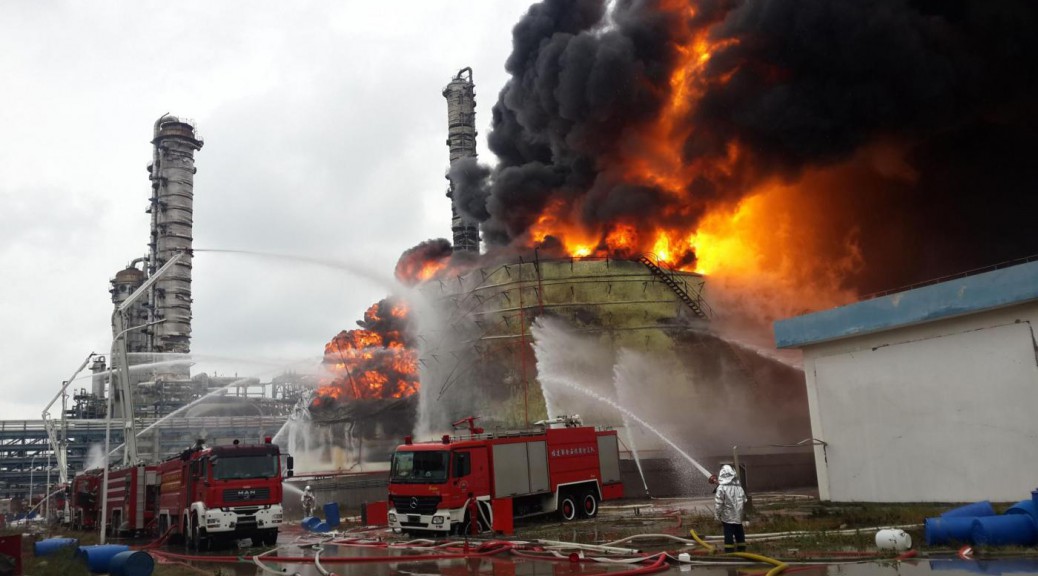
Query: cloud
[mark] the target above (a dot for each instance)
(324, 130)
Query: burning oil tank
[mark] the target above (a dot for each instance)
(621, 342)
(357, 435)
(478, 358)
(365, 403)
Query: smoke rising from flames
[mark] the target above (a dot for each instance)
(810, 150)
(424, 261)
(799, 153)
(376, 361)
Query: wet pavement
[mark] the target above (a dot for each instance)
(356, 559)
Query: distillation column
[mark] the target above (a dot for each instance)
(461, 139)
(172, 173)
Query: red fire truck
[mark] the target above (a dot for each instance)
(132, 492)
(229, 492)
(439, 486)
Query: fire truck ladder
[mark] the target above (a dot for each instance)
(698, 307)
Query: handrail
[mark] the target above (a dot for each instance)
(940, 279)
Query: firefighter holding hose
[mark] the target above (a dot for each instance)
(729, 505)
(309, 502)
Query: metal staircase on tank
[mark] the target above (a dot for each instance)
(700, 308)
(697, 305)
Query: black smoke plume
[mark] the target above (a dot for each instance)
(949, 85)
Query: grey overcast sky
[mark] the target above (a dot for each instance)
(324, 135)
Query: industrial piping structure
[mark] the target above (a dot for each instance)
(461, 139)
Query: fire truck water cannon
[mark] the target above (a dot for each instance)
(469, 423)
(567, 421)
(566, 470)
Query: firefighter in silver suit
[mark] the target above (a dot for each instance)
(309, 502)
(729, 505)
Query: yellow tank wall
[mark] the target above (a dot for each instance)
(620, 301)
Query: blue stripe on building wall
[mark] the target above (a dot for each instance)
(995, 289)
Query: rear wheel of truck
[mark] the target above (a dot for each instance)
(567, 507)
(589, 505)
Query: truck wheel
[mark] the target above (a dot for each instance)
(197, 541)
(270, 537)
(567, 508)
(589, 504)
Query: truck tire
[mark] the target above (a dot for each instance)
(589, 505)
(269, 537)
(198, 542)
(567, 507)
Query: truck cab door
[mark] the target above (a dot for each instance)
(195, 472)
(470, 471)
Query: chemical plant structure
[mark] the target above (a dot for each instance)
(477, 358)
(145, 382)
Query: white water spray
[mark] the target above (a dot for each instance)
(548, 377)
(377, 278)
(634, 454)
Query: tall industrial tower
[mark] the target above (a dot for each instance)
(172, 174)
(168, 302)
(461, 139)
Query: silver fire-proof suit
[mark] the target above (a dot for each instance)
(729, 498)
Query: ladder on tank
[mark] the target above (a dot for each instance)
(695, 304)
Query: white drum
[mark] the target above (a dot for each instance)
(893, 539)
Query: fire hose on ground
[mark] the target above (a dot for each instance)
(541, 550)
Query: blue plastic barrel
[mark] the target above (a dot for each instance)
(1005, 530)
(942, 530)
(132, 563)
(1025, 507)
(310, 521)
(100, 556)
(322, 527)
(1034, 496)
(52, 545)
(982, 508)
(331, 514)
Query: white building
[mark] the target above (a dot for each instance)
(927, 395)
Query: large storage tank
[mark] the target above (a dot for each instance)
(477, 356)
(624, 343)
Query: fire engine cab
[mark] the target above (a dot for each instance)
(440, 486)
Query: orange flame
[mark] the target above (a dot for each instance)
(375, 361)
(752, 243)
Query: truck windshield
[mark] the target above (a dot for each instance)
(420, 467)
(241, 467)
